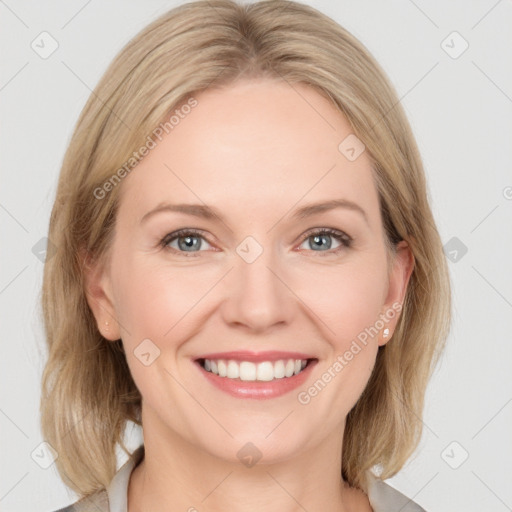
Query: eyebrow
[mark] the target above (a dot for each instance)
(210, 213)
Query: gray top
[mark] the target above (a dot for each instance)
(382, 497)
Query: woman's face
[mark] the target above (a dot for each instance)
(257, 276)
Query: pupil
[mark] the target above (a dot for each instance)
(190, 242)
(322, 238)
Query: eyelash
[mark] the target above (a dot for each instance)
(340, 236)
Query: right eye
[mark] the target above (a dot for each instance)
(184, 240)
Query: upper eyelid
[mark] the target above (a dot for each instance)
(330, 231)
(170, 237)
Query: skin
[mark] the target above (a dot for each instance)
(255, 150)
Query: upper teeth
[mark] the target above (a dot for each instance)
(246, 370)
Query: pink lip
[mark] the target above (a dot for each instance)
(256, 357)
(258, 389)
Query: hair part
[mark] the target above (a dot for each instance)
(88, 394)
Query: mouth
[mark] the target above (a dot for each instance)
(258, 376)
(249, 371)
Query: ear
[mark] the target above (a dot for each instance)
(98, 292)
(400, 272)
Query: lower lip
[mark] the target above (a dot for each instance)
(257, 389)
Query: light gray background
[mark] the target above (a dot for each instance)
(460, 110)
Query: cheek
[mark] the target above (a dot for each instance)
(348, 302)
(360, 302)
(347, 299)
(159, 301)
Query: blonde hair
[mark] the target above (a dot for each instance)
(88, 394)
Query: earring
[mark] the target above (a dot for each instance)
(106, 323)
(386, 332)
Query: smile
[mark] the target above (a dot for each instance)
(258, 376)
(248, 371)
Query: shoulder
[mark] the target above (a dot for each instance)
(97, 502)
(114, 497)
(383, 497)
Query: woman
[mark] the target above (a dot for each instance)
(247, 266)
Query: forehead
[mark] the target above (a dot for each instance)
(255, 144)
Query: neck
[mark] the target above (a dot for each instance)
(178, 475)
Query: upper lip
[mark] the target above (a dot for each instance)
(256, 357)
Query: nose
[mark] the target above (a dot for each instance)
(258, 297)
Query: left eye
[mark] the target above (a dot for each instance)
(322, 239)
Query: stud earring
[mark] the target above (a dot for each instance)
(386, 332)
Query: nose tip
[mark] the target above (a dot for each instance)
(257, 298)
